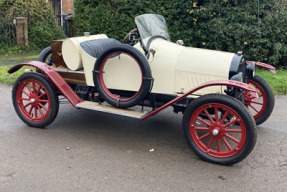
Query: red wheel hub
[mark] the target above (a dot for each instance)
(218, 130)
(33, 100)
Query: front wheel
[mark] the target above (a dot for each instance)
(35, 100)
(219, 129)
(262, 107)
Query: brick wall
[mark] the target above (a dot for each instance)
(22, 31)
(67, 6)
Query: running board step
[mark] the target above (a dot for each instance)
(110, 109)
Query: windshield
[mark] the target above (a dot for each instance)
(150, 25)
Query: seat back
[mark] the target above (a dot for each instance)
(96, 47)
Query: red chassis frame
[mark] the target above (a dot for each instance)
(74, 99)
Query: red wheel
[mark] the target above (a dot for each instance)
(262, 107)
(35, 100)
(219, 129)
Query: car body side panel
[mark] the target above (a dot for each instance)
(175, 68)
(163, 65)
(88, 65)
(196, 66)
(185, 81)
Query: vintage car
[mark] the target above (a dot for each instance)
(213, 89)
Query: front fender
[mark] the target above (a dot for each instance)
(229, 83)
(54, 76)
(263, 66)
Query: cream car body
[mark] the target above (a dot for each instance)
(176, 69)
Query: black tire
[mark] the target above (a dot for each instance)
(42, 105)
(146, 81)
(266, 96)
(203, 138)
(46, 56)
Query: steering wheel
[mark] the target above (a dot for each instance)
(131, 36)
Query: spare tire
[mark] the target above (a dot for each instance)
(146, 79)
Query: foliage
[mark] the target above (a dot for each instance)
(7, 33)
(277, 82)
(116, 17)
(228, 25)
(41, 24)
(237, 25)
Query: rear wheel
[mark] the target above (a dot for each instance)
(35, 100)
(46, 56)
(219, 129)
(262, 107)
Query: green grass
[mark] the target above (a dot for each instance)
(25, 57)
(9, 79)
(277, 82)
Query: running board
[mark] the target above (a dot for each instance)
(110, 109)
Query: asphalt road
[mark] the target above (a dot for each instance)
(85, 150)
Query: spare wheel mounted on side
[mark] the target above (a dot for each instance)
(146, 76)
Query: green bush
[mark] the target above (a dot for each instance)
(237, 25)
(7, 33)
(41, 22)
(228, 25)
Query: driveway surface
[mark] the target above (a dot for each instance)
(85, 150)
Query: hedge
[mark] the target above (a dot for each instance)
(41, 22)
(228, 25)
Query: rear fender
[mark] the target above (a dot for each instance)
(229, 83)
(56, 79)
(263, 66)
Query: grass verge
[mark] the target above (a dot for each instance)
(277, 82)
(9, 79)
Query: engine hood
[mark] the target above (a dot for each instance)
(196, 66)
(177, 69)
(205, 62)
